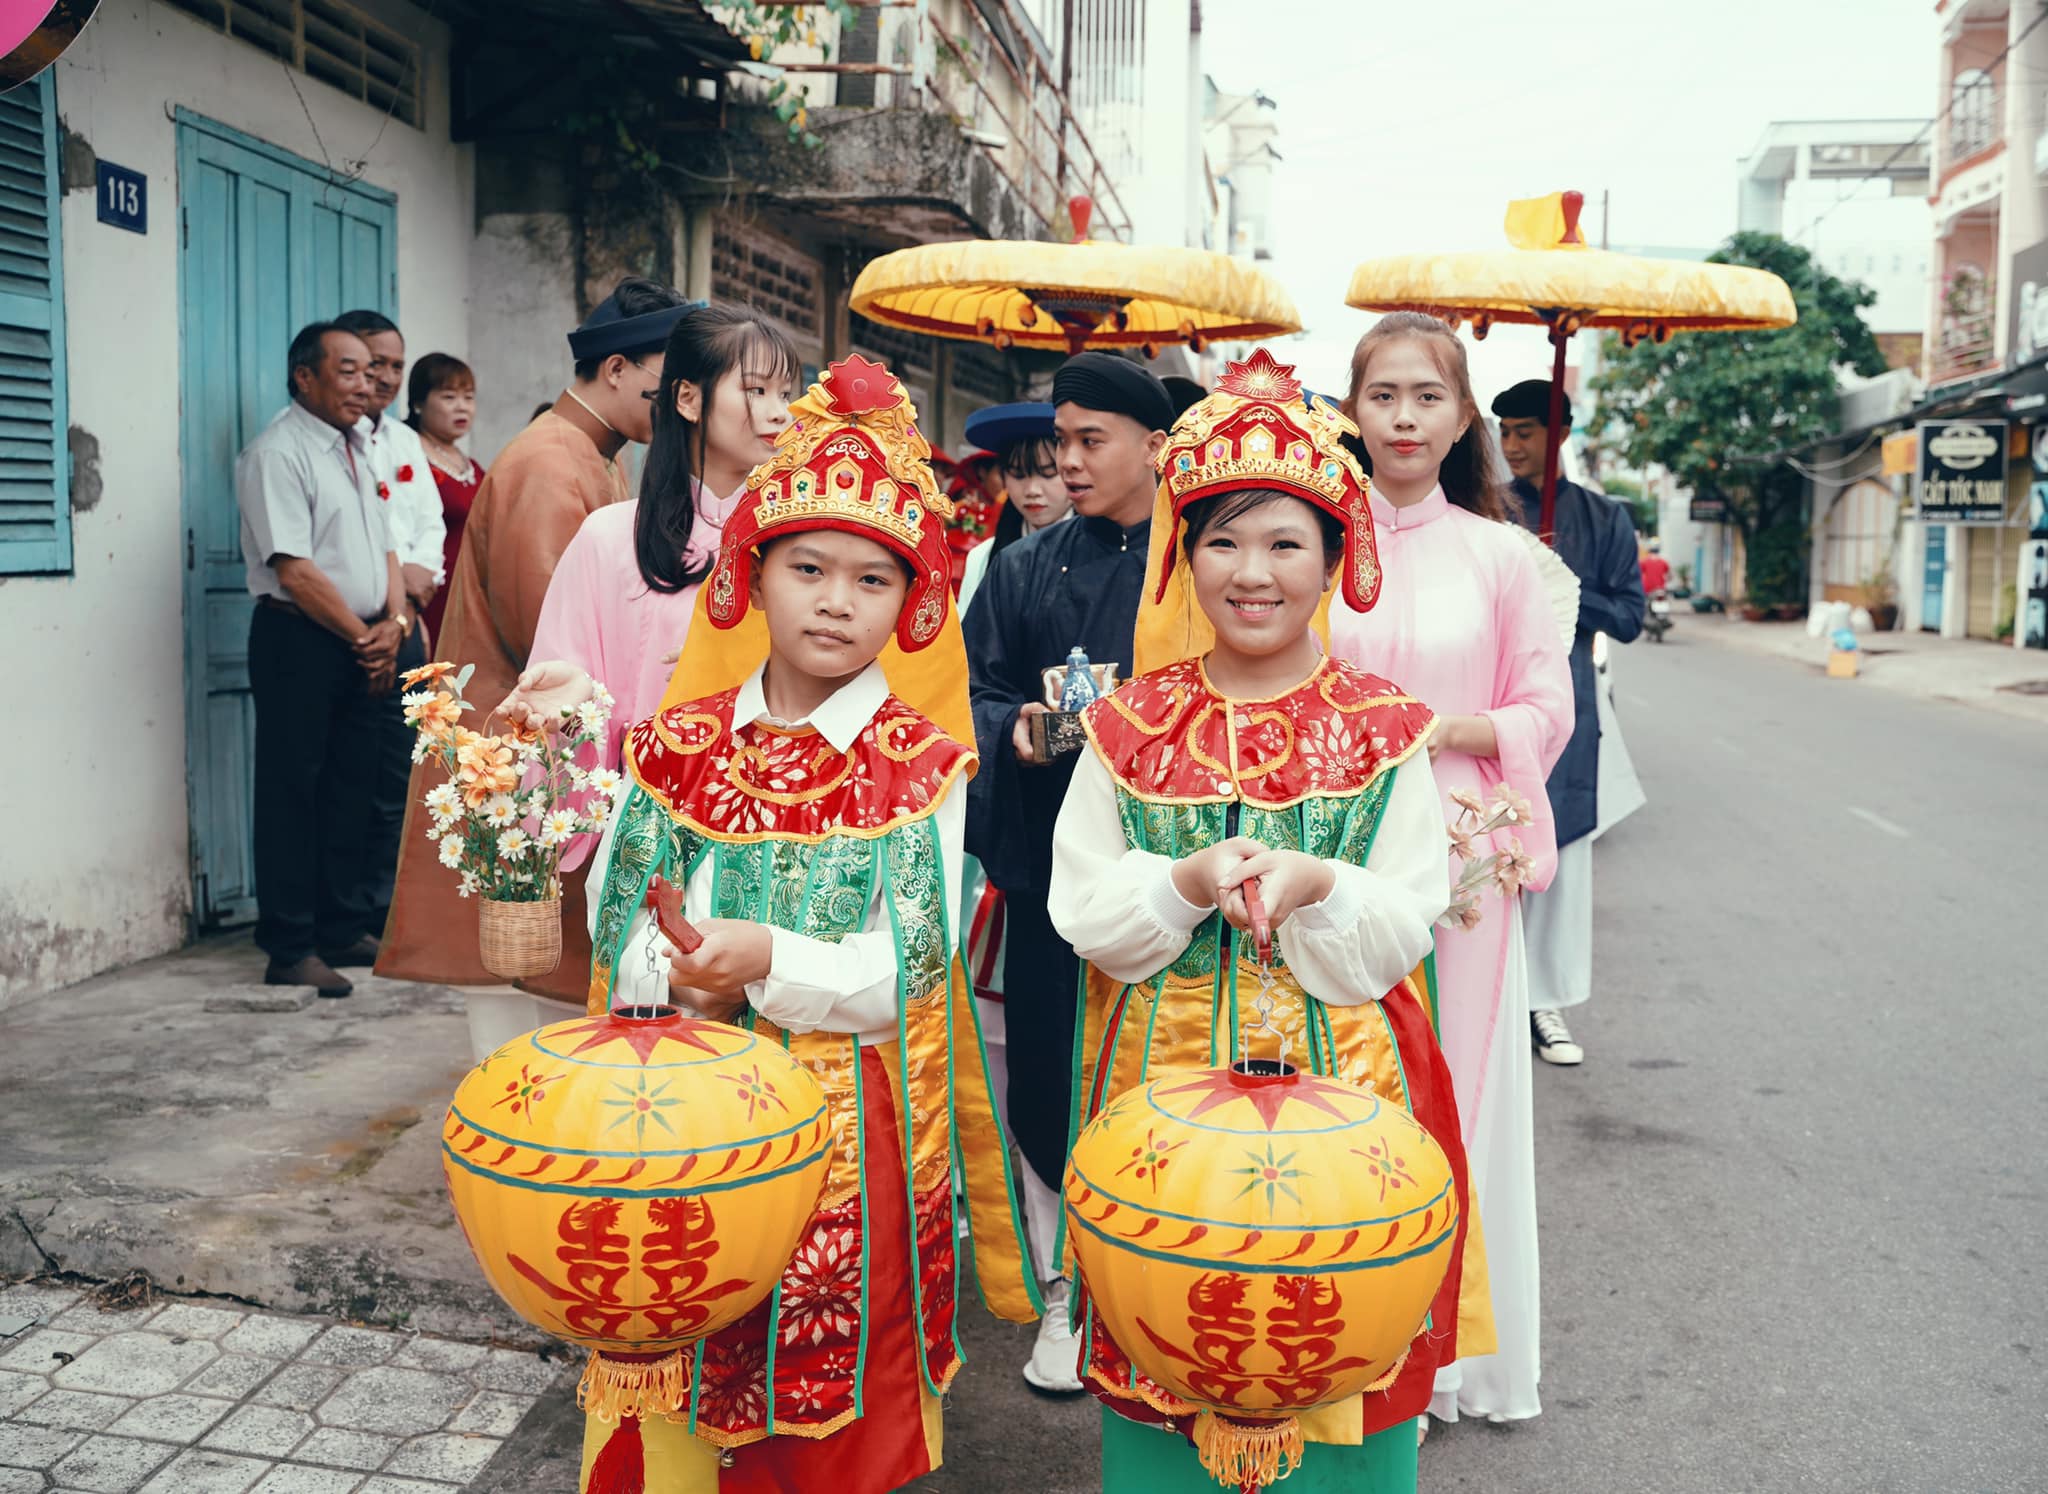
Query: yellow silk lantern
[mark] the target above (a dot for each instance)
(634, 1182)
(1260, 1242)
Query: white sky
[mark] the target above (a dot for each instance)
(1409, 124)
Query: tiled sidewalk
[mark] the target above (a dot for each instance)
(182, 1398)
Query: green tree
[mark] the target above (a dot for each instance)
(1719, 410)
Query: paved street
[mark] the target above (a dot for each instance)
(1793, 1205)
(189, 1398)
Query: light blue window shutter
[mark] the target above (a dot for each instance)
(35, 486)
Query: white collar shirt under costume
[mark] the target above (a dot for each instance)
(411, 497)
(840, 718)
(305, 491)
(1117, 905)
(812, 985)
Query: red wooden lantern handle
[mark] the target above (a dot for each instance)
(665, 901)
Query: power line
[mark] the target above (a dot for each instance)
(1890, 160)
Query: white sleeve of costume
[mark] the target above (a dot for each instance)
(1377, 924)
(1115, 904)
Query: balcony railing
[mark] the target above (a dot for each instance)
(1976, 122)
(1964, 346)
(960, 65)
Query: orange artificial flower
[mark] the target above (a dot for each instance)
(484, 767)
(428, 673)
(437, 717)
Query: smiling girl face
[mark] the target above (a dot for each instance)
(1260, 562)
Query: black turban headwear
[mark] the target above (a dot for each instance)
(1529, 400)
(1103, 381)
(608, 330)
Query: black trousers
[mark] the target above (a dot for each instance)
(1041, 1001)
(394, 780)
(317, 755)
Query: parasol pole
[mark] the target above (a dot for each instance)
(1547, 524)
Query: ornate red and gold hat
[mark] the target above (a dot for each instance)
(852, 460)
(1255, 431)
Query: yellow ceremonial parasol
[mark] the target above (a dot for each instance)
(1028, 294)
(1552, 278)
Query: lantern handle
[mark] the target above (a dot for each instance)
(1262, 1002)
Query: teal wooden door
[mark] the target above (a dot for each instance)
(268, 242)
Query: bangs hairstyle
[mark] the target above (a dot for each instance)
(1471, 475)
(434, 372)
(1034, 456)
(1204, 514)
(706, 345)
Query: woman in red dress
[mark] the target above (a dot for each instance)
(441, 400)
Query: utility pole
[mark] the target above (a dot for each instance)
(1603, 217)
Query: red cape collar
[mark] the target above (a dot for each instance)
(1170, 736)
(764, 783)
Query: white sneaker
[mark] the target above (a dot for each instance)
(1553, 1039)
(1055, 1363)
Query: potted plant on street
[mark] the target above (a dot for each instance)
(1881, 597)
(1775, 574)
(509, 808)
(1684, 587)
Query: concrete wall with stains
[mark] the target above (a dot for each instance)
(97, 871)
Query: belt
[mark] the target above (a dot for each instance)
(279, 604)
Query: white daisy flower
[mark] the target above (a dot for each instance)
(605, 781)
(514, 844)
(451, 852)
(419, 749)
(536, 804)
(590, 717)
(469, 885)
(558, 826)
(444, 803)
(500, 811)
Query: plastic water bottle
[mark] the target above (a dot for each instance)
(1077, 690)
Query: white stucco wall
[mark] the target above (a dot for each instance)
(96, 869)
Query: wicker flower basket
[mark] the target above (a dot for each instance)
(516, 940)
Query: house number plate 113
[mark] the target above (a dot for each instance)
(124, 197)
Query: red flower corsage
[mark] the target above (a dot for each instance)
(405, 473)
(384, 491)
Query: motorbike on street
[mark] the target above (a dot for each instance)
(1657, 617)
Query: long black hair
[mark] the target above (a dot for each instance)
(705, 346)
(1470, 475)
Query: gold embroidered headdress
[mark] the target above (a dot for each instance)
(1255, 430)
(852, 459)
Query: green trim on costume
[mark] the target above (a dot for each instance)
(860, 1144)
(1142, 1459)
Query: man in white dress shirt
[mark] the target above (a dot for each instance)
(412, 512)
(324, 644)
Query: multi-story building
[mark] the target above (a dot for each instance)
(195, 179)
(1854, 193)
(1987, 350)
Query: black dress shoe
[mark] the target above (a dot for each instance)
(310, 970)
(362, 953)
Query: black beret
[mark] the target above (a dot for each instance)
(1529, 400)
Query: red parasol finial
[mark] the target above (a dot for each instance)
(1574, 203)
(1081, 209)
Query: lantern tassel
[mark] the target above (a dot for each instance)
(618, 1387)
(1247, 1455)
(621, 1464)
